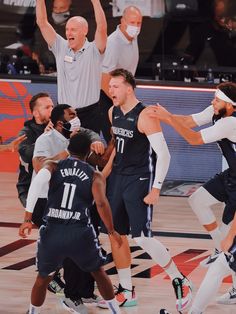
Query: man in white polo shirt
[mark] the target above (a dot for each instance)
(79, 62)
(121, 52)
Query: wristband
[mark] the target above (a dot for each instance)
(157, 184)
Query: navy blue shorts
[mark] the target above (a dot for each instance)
(223, 188)
(130, 213)
(57, 242)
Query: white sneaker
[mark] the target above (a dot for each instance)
(210, 259)
(76, 307)
(228, 298)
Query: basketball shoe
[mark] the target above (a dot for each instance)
(210, 259)
(183, 292)
(124, 297)
(228, 298)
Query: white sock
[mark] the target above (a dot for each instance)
(210, 284)
(34, 309)
(216, 237)
(234, 280)
(159, 254)
(125, 278)
(113, 306)
(173, 271)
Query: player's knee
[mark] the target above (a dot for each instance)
(121, 255)
(194, 200)
(42, 281)
(201, 198)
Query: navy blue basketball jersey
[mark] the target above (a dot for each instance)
(228, 149)
(133, 150)
(70, 193)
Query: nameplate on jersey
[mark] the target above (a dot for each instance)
(68, 59)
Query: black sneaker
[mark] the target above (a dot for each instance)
(183, 291)
(92, 300)
(56, 285)
(74, 306)
(210, 259)
(164, 311)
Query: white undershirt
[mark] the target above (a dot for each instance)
(223, 128)
(204, 117)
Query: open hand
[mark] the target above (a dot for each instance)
(159, 112)
(15, 144)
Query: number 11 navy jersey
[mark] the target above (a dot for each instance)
(70, 193)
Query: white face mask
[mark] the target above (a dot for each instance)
(132, 31)
(75, 124)
(60, 18)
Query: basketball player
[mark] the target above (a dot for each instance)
(68, 232)
(133, 187)
(78, 284)
(221, 188)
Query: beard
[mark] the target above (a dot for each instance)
(221, 114)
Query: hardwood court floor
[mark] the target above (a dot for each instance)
(154, 291)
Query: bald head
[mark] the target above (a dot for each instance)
(78, 22)
(132, 17)
(76, 32)
(131, 10)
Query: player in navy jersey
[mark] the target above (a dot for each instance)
(68, 231)
(221, 188)
(134, 187)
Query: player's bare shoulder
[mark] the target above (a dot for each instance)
(147, 123)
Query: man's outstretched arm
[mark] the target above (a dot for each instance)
(48, 32)
(191, 136)
(37, 184)
(101, 30)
